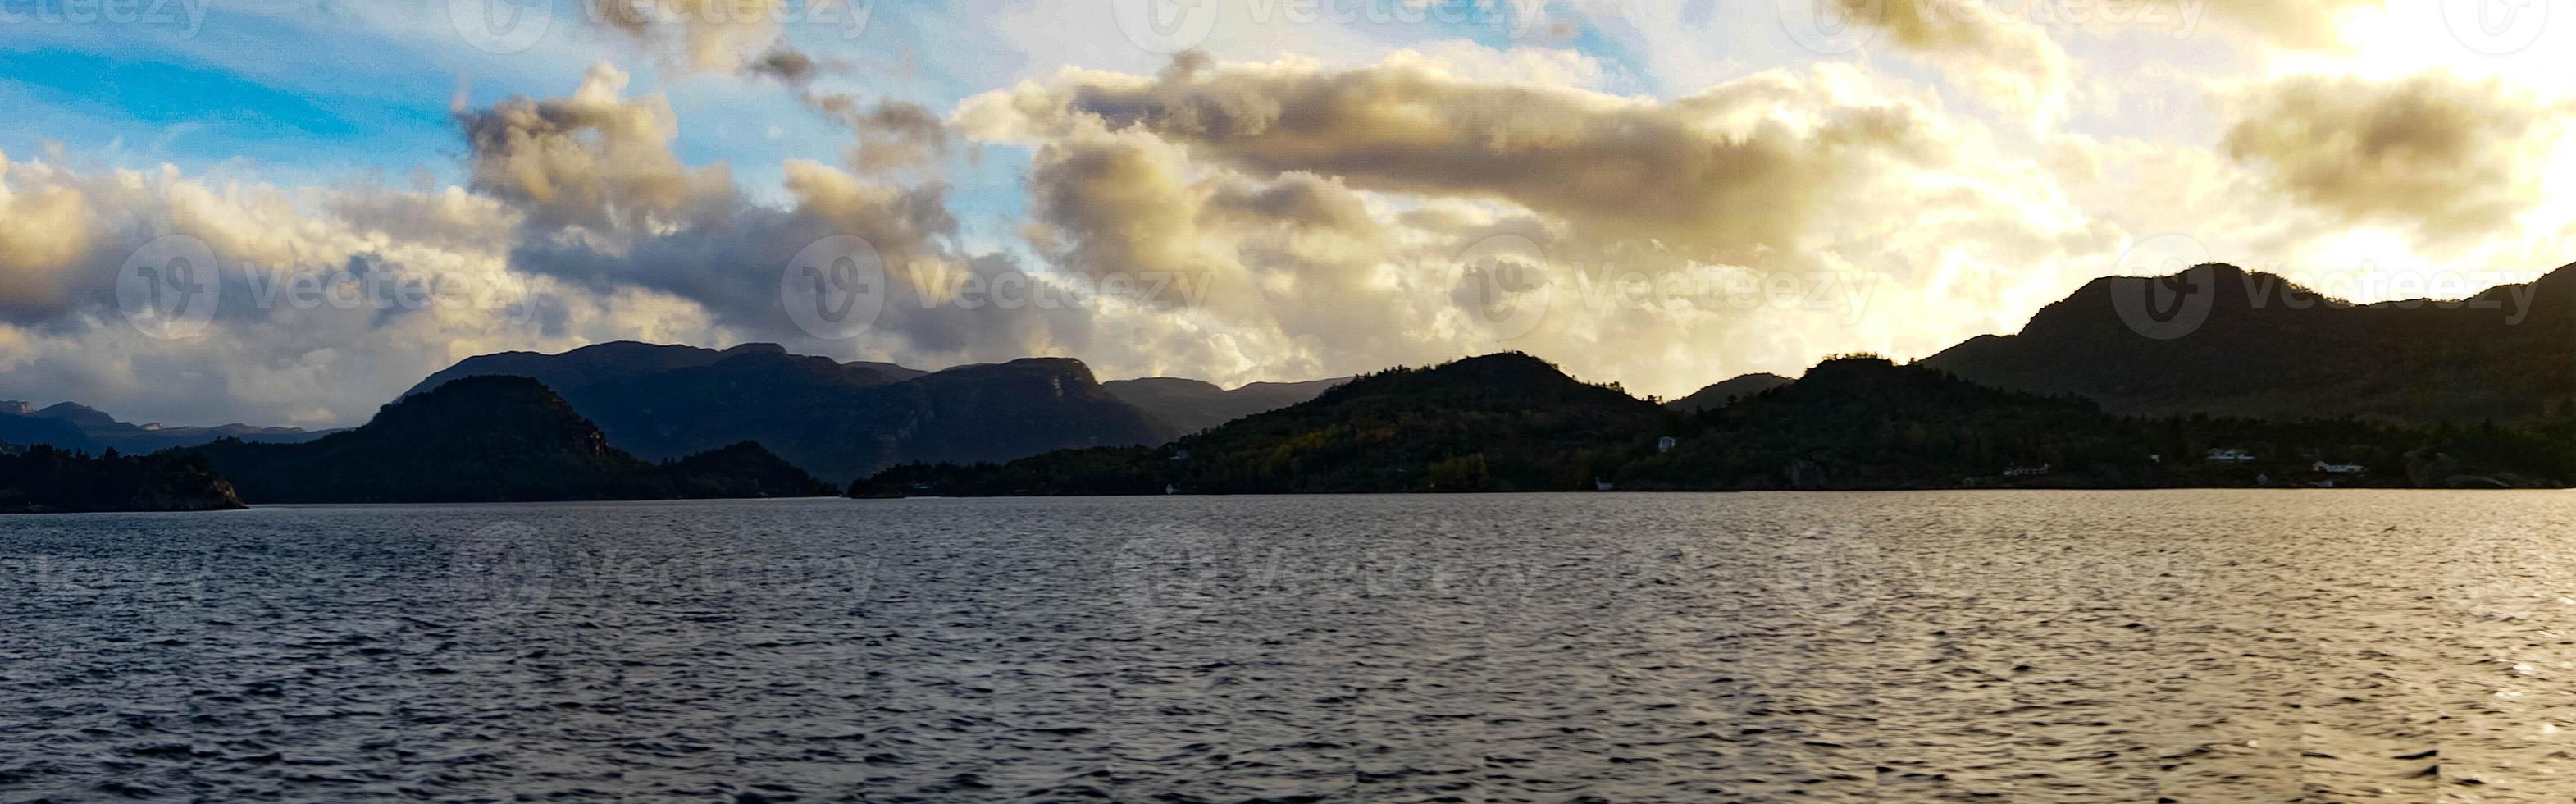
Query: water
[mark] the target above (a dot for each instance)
(2021, 646)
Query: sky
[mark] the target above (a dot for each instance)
(288, 211)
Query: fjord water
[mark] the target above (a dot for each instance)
(2028, 646)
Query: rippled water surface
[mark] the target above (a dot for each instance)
(2018, 646)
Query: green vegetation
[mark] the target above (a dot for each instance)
(1513, 423)
(486, 439)
(43, 479)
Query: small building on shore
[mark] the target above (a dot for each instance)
(2230, 455)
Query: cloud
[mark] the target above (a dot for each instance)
(1993, 55)
(2302, 24)
(322, 301)
(595, 159)
(1341, 217)
(44, 231)
(2446, 156)
(891, 134)
(1738, 169)
(708, 35)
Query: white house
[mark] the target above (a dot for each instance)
(1665, 444)
(2338, 468)
(2026, 471)
(2230, 455)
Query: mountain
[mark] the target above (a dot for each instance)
(44, 479)
(2270, 349)
(1512, 423)
(1866, 423)
(1718, 394)
(838, 420)
(887, 369)
(596, 363)
(487, 438)
(1503, 422)
(81, 428)
(1189, 406)
(19, 425)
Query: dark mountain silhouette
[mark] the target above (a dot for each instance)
(1506, 422)
(43, 479)
(889, 369)
(1718, 394)
(1513, 423)
(2272, 350)
(837, 420)
(79, 427)
(1189, 406)
(1866, 423)
(1863, 422)
(19, 425)
(486, 438)
(571, 371)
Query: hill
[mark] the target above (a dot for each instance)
(1188, 406)
(2269, 349)
(603, 362)
(44, 479)
(1718, 394)
(1503, 422)
(837, 420)
(1513, 423)
(78, 427)
(488, 438)
(1866, 423)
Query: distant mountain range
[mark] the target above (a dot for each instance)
(1188, 406)
(2234, 349)
(842, 421)
(2265, 348)
(484, 439)
(1718, 394)
(1510, 422)
(1505, 422)
(76, 427)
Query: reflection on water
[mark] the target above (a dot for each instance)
(2028, 646)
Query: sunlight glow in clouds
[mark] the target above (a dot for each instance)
(1661, 194)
